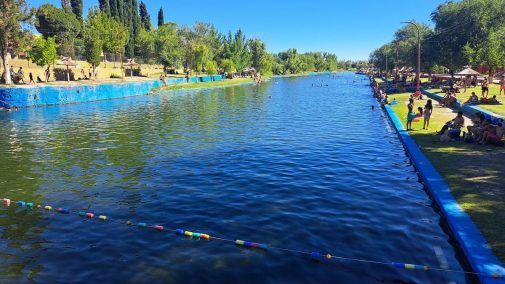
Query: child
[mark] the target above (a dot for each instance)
(428, 110)
(411, 115)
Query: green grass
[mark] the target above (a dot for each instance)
(475, 174)
(493, 90)
(221, 83)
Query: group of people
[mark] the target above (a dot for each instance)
(484, 131)
(474, 100)
(378, 93)
(425, 113)
(19, 76)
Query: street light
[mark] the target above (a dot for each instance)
(418, 88)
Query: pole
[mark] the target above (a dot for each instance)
(418, 73)
(396, 61)
(386, 66)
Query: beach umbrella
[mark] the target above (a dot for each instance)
(67, 61)
(131, 62)
(467, 71)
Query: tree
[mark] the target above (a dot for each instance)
(131, 20)
(168, 47)
(146, 45)
(490, 52)
(161, 20)
(211, 67)
(13, 14)
(291, 61)
(145, 19)
(59, 23)
(116, 36)
(77, 8)
(104, 6)
(258, 50)
(201, 55)
(266, 64)
(93, 44)
(228, 66)
(236, 48)
(43, 53)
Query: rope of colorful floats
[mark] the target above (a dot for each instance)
(316, 256)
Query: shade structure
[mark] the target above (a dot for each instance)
(131, 62)
(67, 61)
(467, 71)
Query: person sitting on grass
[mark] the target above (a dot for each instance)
(449, 99)
(493, 135)
(474, 99)
(477, 120)
(420, 112)
(456, 123)
(493, 100)
(486, 126)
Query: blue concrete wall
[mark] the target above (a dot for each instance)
(469, 238)
(53, 95)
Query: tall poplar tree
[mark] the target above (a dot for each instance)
(77, 8)
(104, 6)
(161, 17)
(145, 19)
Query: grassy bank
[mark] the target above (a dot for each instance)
(474, 173)
(222, 83)
(493, 90)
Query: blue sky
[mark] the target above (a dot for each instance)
(351, 29)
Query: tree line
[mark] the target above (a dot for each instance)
(469, 32)
(123, 28)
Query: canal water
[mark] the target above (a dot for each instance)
(299, 163)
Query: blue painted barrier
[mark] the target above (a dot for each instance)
(53, 95)
(469, 238)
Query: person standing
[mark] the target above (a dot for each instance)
(11, 70)
(428, 110)
(410, 115)
(21, 75)
(31, 78)
(485, 88)
(502, 84)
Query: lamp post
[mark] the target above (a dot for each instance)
(418, 88)
(386, 66)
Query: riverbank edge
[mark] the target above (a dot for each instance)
(202, 86)
(474, 246)
(42, 96)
